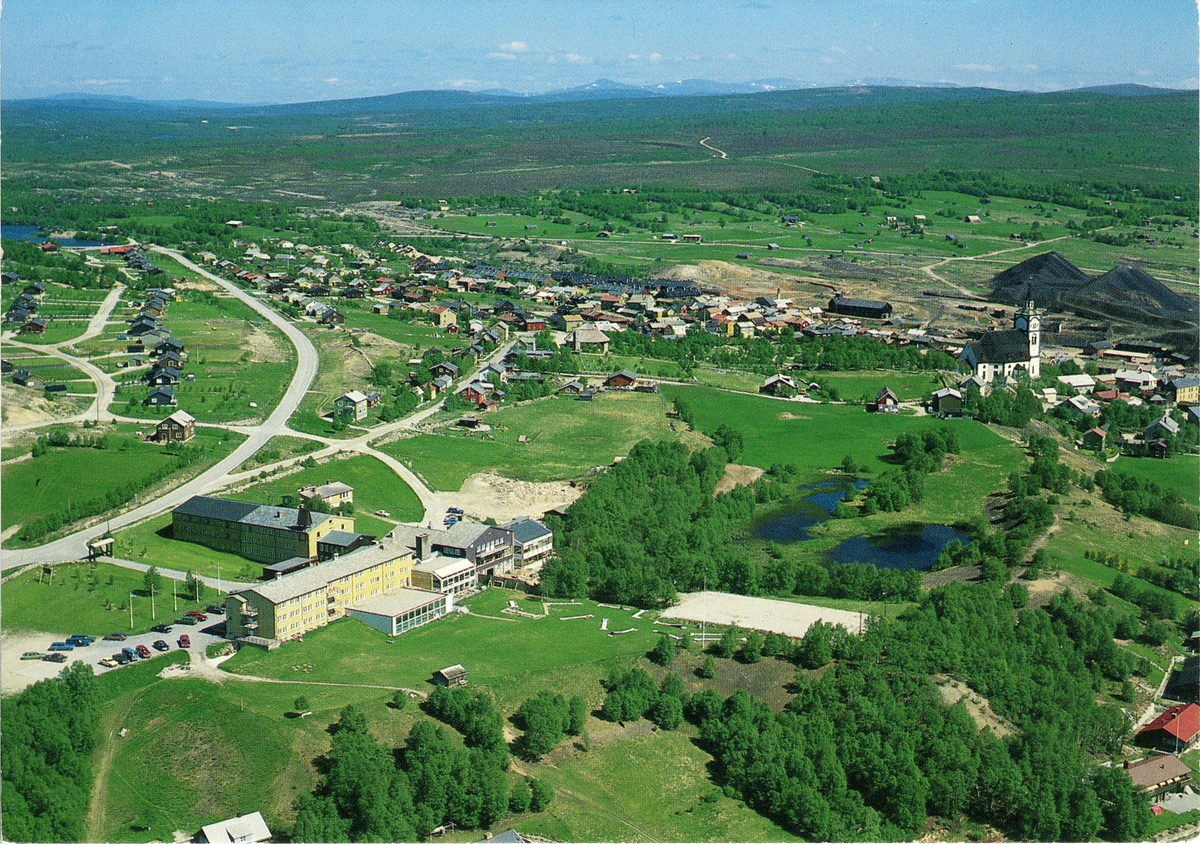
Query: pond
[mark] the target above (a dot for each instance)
(34, 234)
(914, 546)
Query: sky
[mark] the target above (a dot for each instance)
(277, 51)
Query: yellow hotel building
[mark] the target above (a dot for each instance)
(255, 531)
(293, 604)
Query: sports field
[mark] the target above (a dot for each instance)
(786, 617)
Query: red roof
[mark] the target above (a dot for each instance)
(1182, 722)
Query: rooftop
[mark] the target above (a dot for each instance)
(315, 577)
(1147, 773)
(398, 602)
(526, 530)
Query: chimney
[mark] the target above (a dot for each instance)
(422, 546)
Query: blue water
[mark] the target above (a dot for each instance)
(914, 548)
(34, 234)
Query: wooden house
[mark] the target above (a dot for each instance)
(179, 427)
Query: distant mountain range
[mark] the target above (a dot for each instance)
(601, 89)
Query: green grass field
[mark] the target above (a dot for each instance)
(280, 448)
(376, 487)
(79, 595)
(51, 481)
(566, 438)
(150, 542)
(1181, 471)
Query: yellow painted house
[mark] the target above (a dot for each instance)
(296, 603)
(255, 531)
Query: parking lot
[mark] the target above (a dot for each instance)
(19, 673)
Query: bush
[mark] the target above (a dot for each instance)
(708, 669)
(667, 712)
(520, 797)
(540, 795)
(663, 651)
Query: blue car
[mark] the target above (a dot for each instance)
(62, 646)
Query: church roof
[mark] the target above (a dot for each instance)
(1002, 347)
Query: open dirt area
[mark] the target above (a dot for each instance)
(784, 617)
(981, 711)
(16, 673)
(264, 348)
(22, 406)
(486, 495)
(736, 476)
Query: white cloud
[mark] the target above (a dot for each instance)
(835, 49)
(505, 56)
(986, 68)
(633, 57)
(515, 47)
(102, 82)
(655, 57)
(464, 83)
(826, 60)
(333, 80)
(575, 58)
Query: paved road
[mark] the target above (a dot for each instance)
(74, 547)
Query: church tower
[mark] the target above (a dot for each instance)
(1029, 320)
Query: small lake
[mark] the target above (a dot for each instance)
(911, 547)
(34, 234)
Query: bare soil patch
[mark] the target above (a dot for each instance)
(736, 476)
(486, 495)
(264, 348)
(981, 711)
(26, 407)
(786, 617)
(202, 284)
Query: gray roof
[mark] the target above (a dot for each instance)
(400, 601)
(443, 567)
(215, 508)
(526, 530)
(460, 535)
(340, 538)
(314, 577)
(1002, 347)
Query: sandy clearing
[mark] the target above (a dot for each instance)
(486, 495)
(784, 617)
(953, 691)
(15, 673)
(736, 476)
(263, 347)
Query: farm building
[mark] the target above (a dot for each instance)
(450, 677)
(973, 219)
(311, 597)
(1095, 439)
(621, 380)
(333, 493)
(588, 337)
(886, 401)
(863, 308)
(179, 427)
(243, 829)
(1174, 730)
(257, 532)
(351, 405)
(779, 385)
(947, 402)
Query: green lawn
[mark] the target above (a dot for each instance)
(280, 448)
(78, 595)
(566, 438)
(52, 481)
(376, 487)
(1182, 472)
(150, 542)
(512, 657)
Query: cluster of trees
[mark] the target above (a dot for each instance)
(48, 738)
(870, 750)
(648, 527)
(71, 511)
(1144, 497)
(60, 267)
(474, 714)
(1154, 604)
(1177, 574)
(545, 719)
(62, 438)
(370, 793)
(918, 454)
(843, 353)
(633, 694)
(1003, 407)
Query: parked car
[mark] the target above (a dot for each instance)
(130, 654)
(215, 609)
(122, 658)
(55, 658)
(31, 655)
(115, 637)
(160, 645)
(383, 513)
(79, 643)
(458, 511)
(81, 636)
(196, 614)
(186, 619)
(161, 628)
(61, 646)
(109, 662)
(185, 641)
(143, 652)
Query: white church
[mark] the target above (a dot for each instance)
(998, 354)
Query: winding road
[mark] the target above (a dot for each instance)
(74, 547)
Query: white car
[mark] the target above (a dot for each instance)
(383, 513)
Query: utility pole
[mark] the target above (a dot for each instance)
(175, 596)
(153, 616)
(218, 580)
(130, 610)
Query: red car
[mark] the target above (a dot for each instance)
(185, 641)
(143, 652)
(199, 616)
